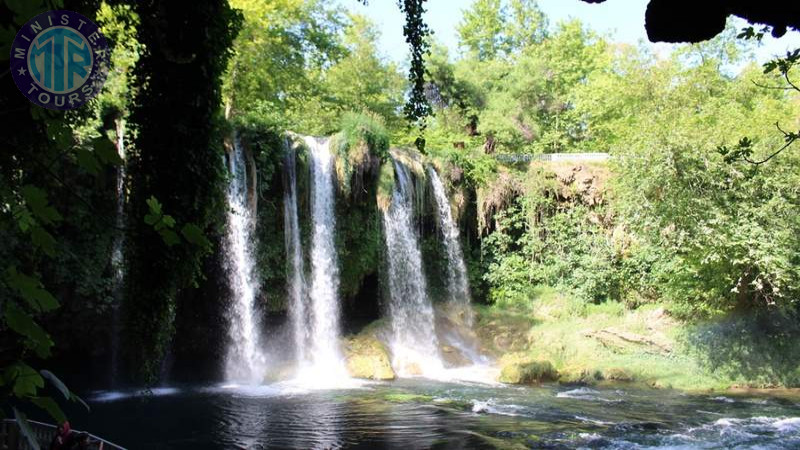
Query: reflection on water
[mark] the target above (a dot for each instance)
(279, 419)
(418, 413)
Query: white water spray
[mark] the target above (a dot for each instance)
(296, 287)
(414, 345)
(245, 361)
(457, 282)
(323, 357)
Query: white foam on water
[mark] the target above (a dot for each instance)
(593, 421)
(482, 374)
(491, 407)
(787, 425)
(584, 394)
(112, 396)
(291, 387)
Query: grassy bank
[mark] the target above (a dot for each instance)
(601, 343)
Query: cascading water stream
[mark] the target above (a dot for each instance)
(245, 360)
(117, 262)
(323, 358)
(457, 282)
(414, 345)
(296, 286)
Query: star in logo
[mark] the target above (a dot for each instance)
(21, 71)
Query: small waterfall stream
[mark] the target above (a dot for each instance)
(117, 257)
(414, 345)
(296, 283)
(245, 360)
(458, 284)
(324, 361)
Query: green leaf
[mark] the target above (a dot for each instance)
(106, 151)
(25, 429)
(75, 398)
(195, 235)
(170, 237)
(24, 380)
(24, 218)
(31, 290)
(60, 133)
(150, 219)
(87, 161)
(23, 324)
(155, 206)
(168, 221)
(52, 408)
(44, 240)
(36, 199)
(53, 379)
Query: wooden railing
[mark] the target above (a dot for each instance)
(11, 438)
(553, 157)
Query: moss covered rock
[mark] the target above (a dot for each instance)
(368, 358)
(527, 372)
(453, 357)
(618, 374)
(579, 375)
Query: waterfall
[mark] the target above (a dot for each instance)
(117, 261)
(323, 355)
(245, 360)
(296, 290)
(457, 282)
(414, 345)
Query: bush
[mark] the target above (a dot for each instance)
(360, 148)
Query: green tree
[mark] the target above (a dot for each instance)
(361, 80)
(481, 30)
(278, 60)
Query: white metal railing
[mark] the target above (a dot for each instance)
(11, 438)
(552, 157)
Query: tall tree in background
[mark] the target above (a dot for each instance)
(362, 81)
(278, 59)
(481, 30)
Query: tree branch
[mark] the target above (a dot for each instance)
(790, 139)
(782, 88)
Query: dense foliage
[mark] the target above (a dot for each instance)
(693, 214)
(178, 142)
(293, 68)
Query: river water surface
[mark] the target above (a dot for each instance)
(419, 414)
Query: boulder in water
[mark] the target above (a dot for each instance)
(368, 358)
(453, 357)
(528, 372)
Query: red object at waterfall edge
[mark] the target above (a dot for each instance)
(62, 433)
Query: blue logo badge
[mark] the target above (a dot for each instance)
(60, 60)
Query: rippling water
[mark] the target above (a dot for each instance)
(419, 414)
